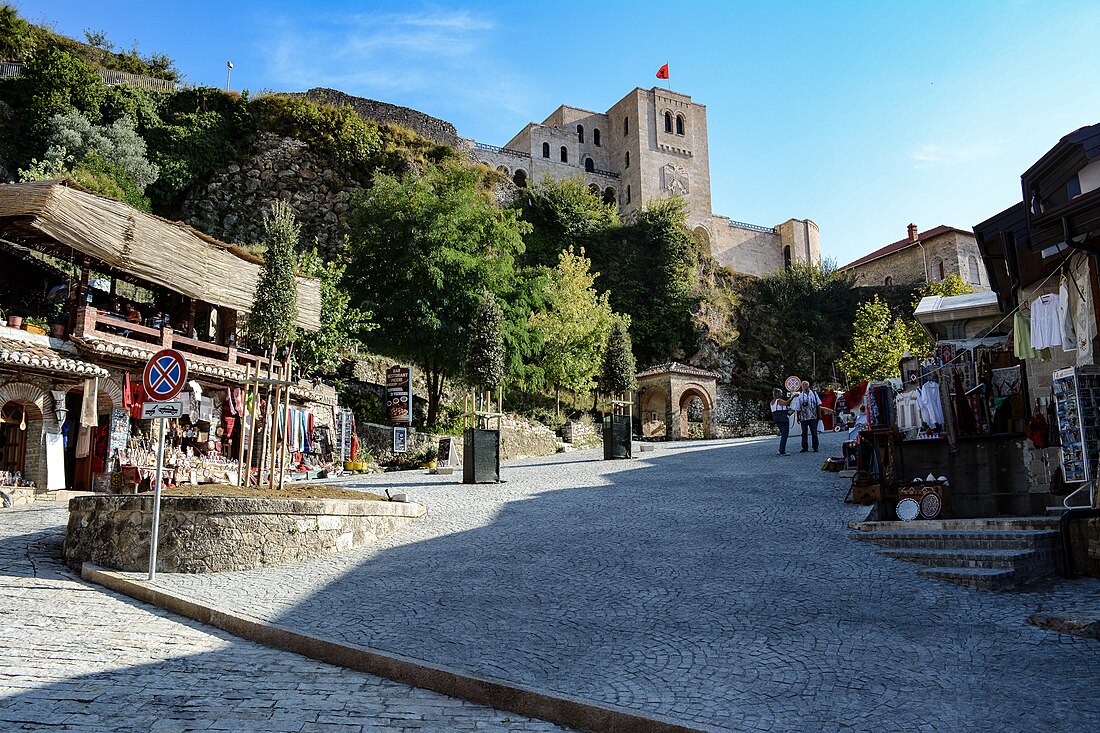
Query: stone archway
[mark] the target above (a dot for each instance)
(696, 408)
(665, 395)
(27, 447)
(654, 413)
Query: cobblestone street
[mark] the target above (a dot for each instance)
(713, 583)
(75, 657)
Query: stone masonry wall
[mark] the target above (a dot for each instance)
(519, 438)
(231, 205)
(371, 109)
(906, 267)
(211, 534)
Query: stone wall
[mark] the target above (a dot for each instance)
(737, 417)
(371, 109)
(231, 205)
(211, 534)
(520, 438)
(958, 251)
(581, 434)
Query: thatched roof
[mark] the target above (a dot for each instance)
(54, 216)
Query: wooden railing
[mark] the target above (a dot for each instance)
(14, 70)
(90, 322)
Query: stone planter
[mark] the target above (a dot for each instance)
(209, 534)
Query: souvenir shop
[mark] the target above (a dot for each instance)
(955, 427)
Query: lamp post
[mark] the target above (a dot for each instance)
(228, 71)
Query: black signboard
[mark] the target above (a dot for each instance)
(443, 455)
(399, 395)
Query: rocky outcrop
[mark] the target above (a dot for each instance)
(231, 204)
(427, 126)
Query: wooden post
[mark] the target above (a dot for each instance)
(286, 425)
(242, 476)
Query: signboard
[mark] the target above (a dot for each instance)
(793, 384)
(399, 395)
(447, 455)
(154, 410)
(400, 439)
(165, 374)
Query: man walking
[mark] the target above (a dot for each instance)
(807, 405)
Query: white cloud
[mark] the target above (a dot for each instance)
(933, 155)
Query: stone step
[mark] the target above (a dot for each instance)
(1004, 539)
(977, 578)
(990, 523)
(1002, 559)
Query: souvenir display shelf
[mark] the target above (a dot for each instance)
(1077, 406)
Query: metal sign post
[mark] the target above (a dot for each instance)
(164, 377)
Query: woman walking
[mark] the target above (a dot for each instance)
(781, 415)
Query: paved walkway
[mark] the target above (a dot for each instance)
(74, 657)
(711, 582)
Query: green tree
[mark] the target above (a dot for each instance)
(619, 369)
(574, 326)
(423, 249)
(879, 341)
(57, 81)
(341, 324)
(485, 349)
(564, 212)
(71, 133)
(275, 306)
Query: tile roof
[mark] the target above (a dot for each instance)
(23, 350)
(677, 368)
(901, 244)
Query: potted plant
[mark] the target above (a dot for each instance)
(57, 319)
(484, 372)
(618, 381)
(15, 321)
(36, 324)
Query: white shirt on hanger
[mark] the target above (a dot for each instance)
(1046, 330)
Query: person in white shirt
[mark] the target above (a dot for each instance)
(781, 414)
(807, 406)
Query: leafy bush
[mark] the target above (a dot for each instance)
(338, 132)
(106, 178)
(117, 144)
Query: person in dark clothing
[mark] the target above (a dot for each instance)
(781, 414)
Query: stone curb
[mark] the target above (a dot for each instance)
(553, 707)
(1062, 624)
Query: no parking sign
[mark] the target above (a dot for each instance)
(165, 374)
(793, 383)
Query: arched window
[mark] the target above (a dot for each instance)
(628, 194)
(668, 122)
(626, 126)
(589, 166)
(626, 160)
(679, 124)
(609, 195)
(787, 257)
(889, 281)
(596, 137)
(564, 154)
(975, 270)
(502, 169)
(580, 133)
(520, 178)
(594, 190)
(546, 150)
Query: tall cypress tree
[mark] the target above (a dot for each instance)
(271, 322)
(619, 368)
(485, 349)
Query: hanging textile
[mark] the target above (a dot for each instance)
(137, 399)
(855, 395)
(1021, 339)
(1046, 330)
(55, 461)
(929, 403)
(127, 392)
(964, 415)
(1007, 382)
(1065, 319)
(828, 401)
(907, 406)
(89, 407)
(1084, 316)
(83, 442)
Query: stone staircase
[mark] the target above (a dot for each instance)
(986, 554)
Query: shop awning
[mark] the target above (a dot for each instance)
(58, 217)
(959, 316)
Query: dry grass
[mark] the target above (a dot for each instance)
(290, 491)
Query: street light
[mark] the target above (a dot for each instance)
(228, 71)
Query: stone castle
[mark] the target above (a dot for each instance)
(651, 144)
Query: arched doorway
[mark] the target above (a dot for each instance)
(26, 411)
(695, 414)
(609, 195)
(520, 178)
(654, 413)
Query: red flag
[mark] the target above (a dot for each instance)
(662, 73)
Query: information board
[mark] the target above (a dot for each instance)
(399, 396)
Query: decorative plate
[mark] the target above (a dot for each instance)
(908, 510)
(930, 505)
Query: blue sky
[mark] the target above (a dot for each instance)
(863, 116)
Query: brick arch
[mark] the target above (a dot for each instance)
(109, 386)
(694, 389)
(28, 394)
